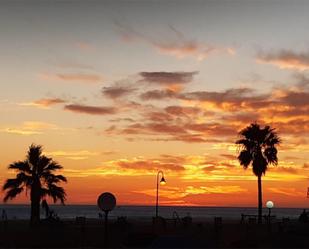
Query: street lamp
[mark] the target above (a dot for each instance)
(162, 182)
(269, 205)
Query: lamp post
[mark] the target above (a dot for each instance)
(269, 205)
(162, 182)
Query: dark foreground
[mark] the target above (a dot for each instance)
(146, 234)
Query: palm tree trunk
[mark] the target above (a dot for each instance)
(260, 199)
(35, 204)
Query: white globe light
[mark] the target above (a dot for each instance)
(269, 204)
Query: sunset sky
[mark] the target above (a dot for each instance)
(117, 90)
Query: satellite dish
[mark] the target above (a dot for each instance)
(107, 202)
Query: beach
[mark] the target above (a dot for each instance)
(159, 233)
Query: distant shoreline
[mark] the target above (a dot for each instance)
(166, 206)
(22, 211)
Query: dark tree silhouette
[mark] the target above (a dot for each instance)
(35, 173)
(258, 148)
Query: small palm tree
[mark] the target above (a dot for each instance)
(258, 148)
(35, 173)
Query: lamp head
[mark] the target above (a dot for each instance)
(162, 181)
(269, 204)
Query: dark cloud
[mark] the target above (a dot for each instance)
(229, 95)
(297, 99)
(285, 107)
(234, 99)
(302, 81)
(159, 116)
(298, 126)
(150, 165)
(209, 169)
(182, 110)
(212, 128)
(285, 59)
(158, 95)
(176, 44)
(114, 92)
(242, 117)
(168, 78)
(177, 130)
(92, 110)
(165, 128)
(174, 159)
(117, 120)
(190, 138)
(229, 156)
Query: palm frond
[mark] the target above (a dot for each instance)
(246, 144)
(245, 158)
(44, 192)
(259, 164)
(258, 144)
(57, 193)
(43, 162)
(272, 139)
(20, 166)
(34, 154)
(24, 178)
(53, 166)
(270, 154)
(35, 174)
(12, 183)
(61, 178)
(251, 132)
(12, 193)
(51, 178)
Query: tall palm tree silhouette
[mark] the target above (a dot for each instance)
(258, 148)
(35, 173)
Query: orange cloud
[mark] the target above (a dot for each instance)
(287, 191)
(74, 155)
(151, 165)
(73, 77)
(285, 59)
(45, 102)
(177, 193)
(30, 128)
(79, 77)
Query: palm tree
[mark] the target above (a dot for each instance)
(35, 173)
(258, 148)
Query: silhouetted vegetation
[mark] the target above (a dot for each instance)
(35, 174)
(258, 148)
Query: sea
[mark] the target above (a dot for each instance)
(22, 212)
